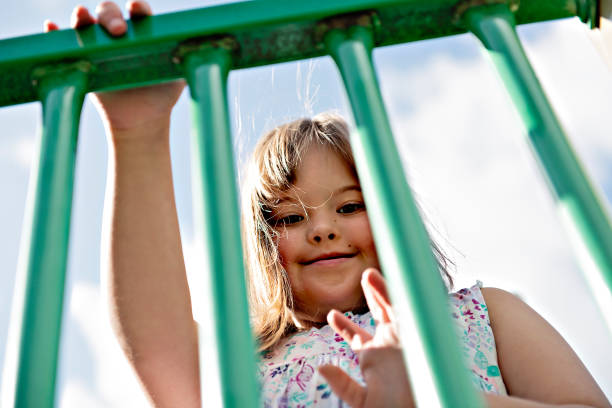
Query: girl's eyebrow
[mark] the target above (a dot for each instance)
(351, 187)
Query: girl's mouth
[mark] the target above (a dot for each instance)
(330, 259)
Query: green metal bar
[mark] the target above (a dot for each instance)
(30, 370)
(578, 202)
(267, 31)
(216, 215)
(403, 244)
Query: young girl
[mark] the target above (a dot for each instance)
(310, 258)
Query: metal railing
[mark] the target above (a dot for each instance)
(202, 46)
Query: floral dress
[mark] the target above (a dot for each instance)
(289, 377)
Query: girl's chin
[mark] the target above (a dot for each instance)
(318, 314)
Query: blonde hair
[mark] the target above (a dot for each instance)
(271, 173)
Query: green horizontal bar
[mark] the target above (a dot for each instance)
(265, 31)
(30, 380)
(575, 197)
(402, 242)
(217, 218)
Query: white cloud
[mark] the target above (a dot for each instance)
(77, 394)
(578, 82)
(198, 276)
(23, 152)
(21, 131)
(114, 384)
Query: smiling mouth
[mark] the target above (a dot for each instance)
(329, 258)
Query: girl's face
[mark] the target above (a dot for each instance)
(325, 240)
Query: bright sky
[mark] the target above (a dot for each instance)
(462, 144)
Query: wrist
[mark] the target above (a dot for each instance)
(154, 132)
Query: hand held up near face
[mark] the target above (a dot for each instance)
(380, 356)
(138, 108)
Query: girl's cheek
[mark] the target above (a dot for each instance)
(363, 223)
(366, 233)
(284, 247)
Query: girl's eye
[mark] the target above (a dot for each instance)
(351, 208)
(289, 220)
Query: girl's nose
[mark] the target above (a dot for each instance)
(330, 236)
(322, 231)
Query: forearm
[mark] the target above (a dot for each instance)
(148, 291)
(496, 401)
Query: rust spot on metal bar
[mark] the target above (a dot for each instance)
(463, 6)
(41, 72)
(225, 42)
(367, 19)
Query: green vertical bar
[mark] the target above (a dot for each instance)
(217, 215)
(403, 244)
(30, 370)
(577, 201)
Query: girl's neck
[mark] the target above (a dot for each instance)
(308, 323)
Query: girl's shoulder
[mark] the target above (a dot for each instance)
(497, 298)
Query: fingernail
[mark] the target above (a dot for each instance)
(115, 25)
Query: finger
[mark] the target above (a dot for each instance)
(352, 333)
(110, 17)
(343, 385)
(138, 9)
(386, 336)
(49, 25)
(375, 303)
(375, 291)
(81, 17)
(375, 278)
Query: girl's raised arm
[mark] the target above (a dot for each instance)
(148, 292)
